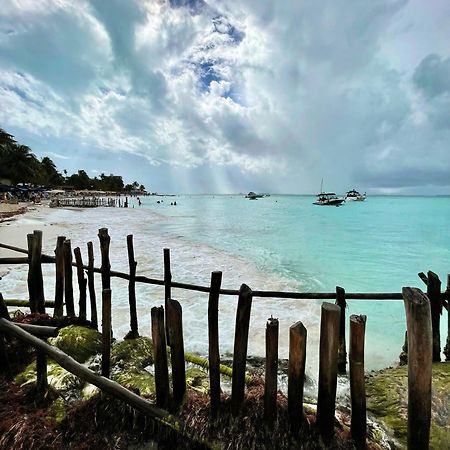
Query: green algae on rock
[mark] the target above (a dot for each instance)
(139, 381)
(387, 401)
(79, 342)
(198, 380)
(133, 352)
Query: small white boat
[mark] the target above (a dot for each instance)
(355, 196)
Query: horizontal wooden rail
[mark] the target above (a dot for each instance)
(235, 292)
(26, 303)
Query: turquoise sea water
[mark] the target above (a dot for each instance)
(282, 243)
(374, 246)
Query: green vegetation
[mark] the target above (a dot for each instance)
(19, 164)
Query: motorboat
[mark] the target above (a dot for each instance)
(355, 196)
(328, 199)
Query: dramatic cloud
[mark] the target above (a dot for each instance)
(227, 96)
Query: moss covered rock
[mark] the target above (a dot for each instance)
(197, 379)
(387, 400)
(79, 342)
(132, 353)
(137, 380)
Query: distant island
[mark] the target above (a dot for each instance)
(19, 165)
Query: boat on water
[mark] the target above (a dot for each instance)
(253, 196)
(328, 199)
(355, 196)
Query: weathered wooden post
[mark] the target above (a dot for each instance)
(434, 294)
(420, 349)
(134, 333)
(270, 384)
(68, 282)
(59, 277)
(240, 348)
(296, 376)
(160, 357)
(81, 284)
(329, 343)
(104, 249)
(213, 336)
(167, 287)
(30, 277)
(447, 346)
(38, 279)
(177, 351)
(106, 332)
(357, 381)
(91, 286)
(342, 350)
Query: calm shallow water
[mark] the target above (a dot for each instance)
(276, 243)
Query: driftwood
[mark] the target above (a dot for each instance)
(420, 340)
(134, 333)
(91, 287)
(105, 269)
(81, 284)
(106, 332)
(68, 282)
(342, 349)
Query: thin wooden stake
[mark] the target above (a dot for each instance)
(270, 385)
(240, 348)
(357, 381)
(91, 286)
(434, 294)
(5, 367)
(329, 343)
(59, 277)
(106, 332)
(30, 278)
(106, 266)
(177, 351)
(160, 357)
(68, 282)
(37, 269)
(296, 376)
(342, 350)
(81, 284)
(213, 335)
(420, 347)
(134, 333)
(447, 346)
(167, 287)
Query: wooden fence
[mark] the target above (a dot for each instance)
(89, 202)
(423, 339)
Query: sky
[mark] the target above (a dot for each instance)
(227, 96)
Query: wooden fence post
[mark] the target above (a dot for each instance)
(81, 284)
(213, 337)
(106, 332)
(68, 282)
(420, 349)
(296, 375)
(357, 381)
(91, 286)
(59, 277)
(240, 348)
(270, 383)
(30, 277)
(342, 349)
(134, 333)
(434, 294)
(329, 343)
(106, 266)
(160, 357)
(167, 287)
(37, 269)
(177, 351)
(447, 346)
